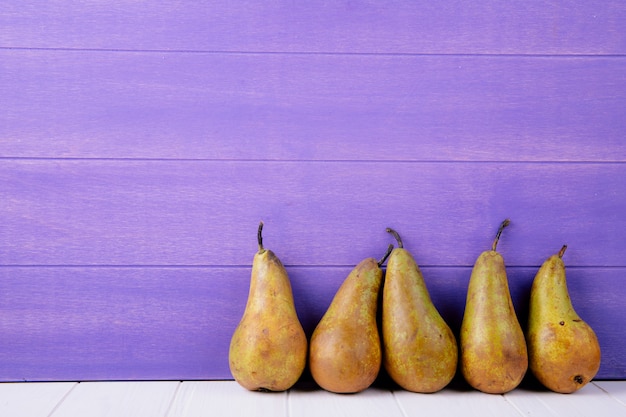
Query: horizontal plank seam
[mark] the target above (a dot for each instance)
(300, 161)
(248, 266)
(320, 53)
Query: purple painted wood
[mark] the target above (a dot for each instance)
(187, 230)
(86, 212)
(139, 148)
(83, 104)
(83, 323)
(400, 27)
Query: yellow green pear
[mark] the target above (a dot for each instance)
(494, 357)
(420, 352)
(563, 350)
(345, 350)
(268, 349)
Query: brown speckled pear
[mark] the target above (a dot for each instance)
(563, 350)
(345, 350)
(494, 358)
(420, 352)
(268, 349)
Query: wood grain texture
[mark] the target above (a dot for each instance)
(447, 27)
(85, 323)
(105, 104)
(140, 147)
(94, 324)
(64, 212)
(202, 398)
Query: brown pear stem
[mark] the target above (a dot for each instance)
(396, 236)
(384, 258)
(259, 236)
(562, 251)
(504, 224)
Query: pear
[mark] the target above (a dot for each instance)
(345, 350)
(268, 349)
(494, 357)
(563, 350)
(420, 352)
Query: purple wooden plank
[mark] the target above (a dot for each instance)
(109, 323)
(76, 323)
(452, 26)
(232, 106)
(99, 212)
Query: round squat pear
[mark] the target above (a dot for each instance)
(269, 347)
(345, 354)
(563, 350)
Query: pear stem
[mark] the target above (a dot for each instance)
(562, 251)
(259, 236)
(504, 224)
(384, 258)
(396, 236)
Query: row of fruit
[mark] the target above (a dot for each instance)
(269, 348)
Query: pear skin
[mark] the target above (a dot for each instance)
(563, 350)
(494, 357)
(420, 352)
(268, 349)
(345, 350)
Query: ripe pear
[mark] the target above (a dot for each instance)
(494, 358)
(563, 350)
(420, 352)
(269, 347)
(345, 350)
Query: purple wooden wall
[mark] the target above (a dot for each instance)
(140, 146)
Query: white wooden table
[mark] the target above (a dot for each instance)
(226, 398)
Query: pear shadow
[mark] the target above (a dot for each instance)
(457, 384)
(306, 383)
(531, 384)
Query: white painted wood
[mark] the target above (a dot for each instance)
(207, 398)
(615, 389)
(588, 401)
(454, 403)
(316, 402)
(225, 398)
(118, 399)
(32, 399)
